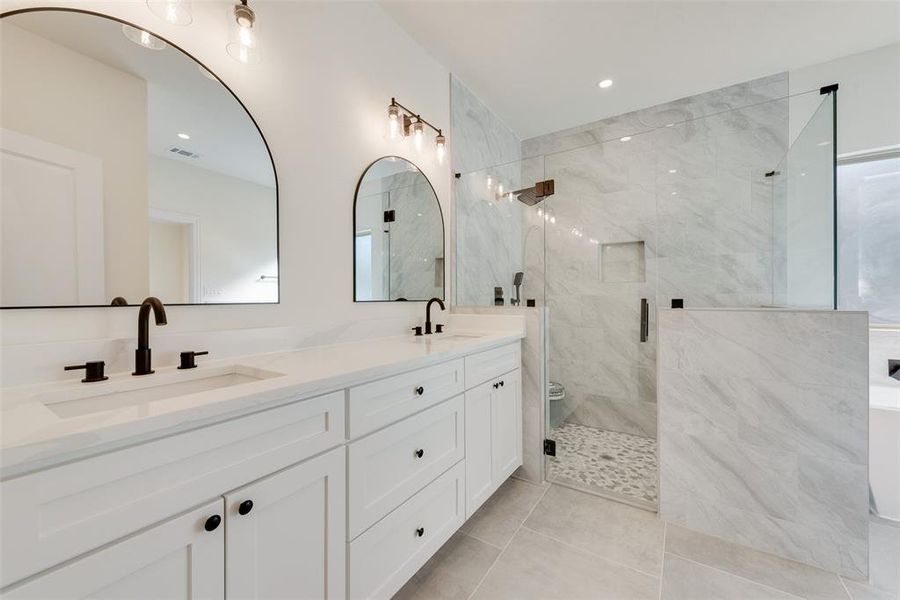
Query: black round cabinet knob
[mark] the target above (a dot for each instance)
(420, 390)
(420, 453)
(245, 507)
(420, 531)
(212, 523)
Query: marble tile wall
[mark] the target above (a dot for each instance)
(689, 183)
(489, 230)
(763, 430)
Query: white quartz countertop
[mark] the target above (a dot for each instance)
(36, 437)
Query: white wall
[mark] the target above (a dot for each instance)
(868, 97)
(320, 96)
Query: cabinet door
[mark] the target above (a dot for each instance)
(480, 483)
(506, 425)
(175, 559)
(290, 543)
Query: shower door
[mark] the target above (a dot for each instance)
(602, 261)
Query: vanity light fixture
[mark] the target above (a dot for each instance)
(176, 12)
(403, 122)
(244, 44)
(143, 38)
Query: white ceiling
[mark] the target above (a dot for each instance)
(537, 64)
(180, 98)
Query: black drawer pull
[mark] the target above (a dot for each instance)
(420, 453)
(212, 523)
(245, 507)
(420, 390)
(420, 532)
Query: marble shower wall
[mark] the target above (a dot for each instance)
(679, 209)
(763, 430)
(488, 230)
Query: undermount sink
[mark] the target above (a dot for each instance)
(450, 337)
(113, 394)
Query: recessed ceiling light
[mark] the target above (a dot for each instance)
(674, 193)
(625, 139)
(673, 170)
(605, 83)
(184, 136)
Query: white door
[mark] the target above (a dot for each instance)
(506, 425)
(479, 464)
(52, 224)
(177, 559)
(288, 540)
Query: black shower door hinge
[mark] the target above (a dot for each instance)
(390, 216)
(550, 447)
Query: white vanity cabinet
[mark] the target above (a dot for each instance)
(346, 493)
(493, 436)
(175, 559)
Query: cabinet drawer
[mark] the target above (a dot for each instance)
(52, 515)
(492, 363)
(374, 405)
(387, 555)
(391, 465)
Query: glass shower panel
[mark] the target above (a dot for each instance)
(804, 215)
(601, 282)
(500, 235)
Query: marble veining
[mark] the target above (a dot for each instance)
(763, 430)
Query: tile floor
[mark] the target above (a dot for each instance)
(549, 541)
(605, 462)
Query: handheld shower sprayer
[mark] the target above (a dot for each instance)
(517, 282)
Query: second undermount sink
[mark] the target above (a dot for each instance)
(113, 394)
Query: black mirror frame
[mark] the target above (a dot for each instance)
(242, 105)
(443, 231)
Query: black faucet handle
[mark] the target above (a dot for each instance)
(187, 359)
(418, 330)
(93, 371)
(439, 328)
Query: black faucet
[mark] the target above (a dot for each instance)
(428, 314)
(142, 354)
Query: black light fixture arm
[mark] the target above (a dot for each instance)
(418, 117)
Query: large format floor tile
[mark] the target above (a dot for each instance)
(686, 580)
(775, 572)
(535, 566)
(504, 512)
(627, 535)
(453, 572)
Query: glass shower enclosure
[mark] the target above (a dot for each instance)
(734, 209)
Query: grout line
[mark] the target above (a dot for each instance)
(759, 583)
(508, 542)
(846, 589)
(662, 560)
(594, 554)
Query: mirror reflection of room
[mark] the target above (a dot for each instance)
(398, 234)
(129, 170)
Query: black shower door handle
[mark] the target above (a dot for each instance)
(645, 320)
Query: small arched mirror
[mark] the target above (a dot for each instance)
(398, 235)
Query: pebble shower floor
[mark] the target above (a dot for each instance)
(605, 461)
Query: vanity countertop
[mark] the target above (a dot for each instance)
(36, 437)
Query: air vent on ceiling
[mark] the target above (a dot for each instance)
(182, 152)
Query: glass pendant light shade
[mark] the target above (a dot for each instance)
(394, 122)
(243, 43)
(440, 148)
(418, 134)
(143, 38)
(176, 12)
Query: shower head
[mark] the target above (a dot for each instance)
(532, 195)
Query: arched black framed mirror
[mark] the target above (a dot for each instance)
(130, 170)
(398, 234)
